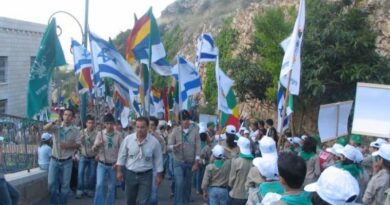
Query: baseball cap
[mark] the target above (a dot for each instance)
(230, 129)
(267, 146)
(267, 167)
(342, 140)
(211, 123)
(356, 138)
(246, 131)
(245, 145)
(1, 138)
(270, 197)
(384, 152)
(218, 151)
(378, 143)
(335, 186)
(45, 136)
(351, 153)
(334, 149)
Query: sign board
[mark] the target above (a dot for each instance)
(372, 110)
(333, 120)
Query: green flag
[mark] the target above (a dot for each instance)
(49, 56)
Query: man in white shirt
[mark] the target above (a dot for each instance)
(44, 151)
(140, 153)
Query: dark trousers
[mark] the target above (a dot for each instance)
(234, 201)
(138, 187)
(8, 194)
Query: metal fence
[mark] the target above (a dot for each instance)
(21, 142)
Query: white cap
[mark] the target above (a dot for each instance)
(245, 145)
(378, 143)
(1, 138)
(270, 197)
(267, 146)
(218, 151)
(246, 131)
(295, 140)
(351, 153)
(336, 147)
(384, 152)
(303, 137)
(267, 167)
(45, 136)
(335, 186)
(202, 128)
(230, 129)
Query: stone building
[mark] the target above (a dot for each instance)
(19, 43)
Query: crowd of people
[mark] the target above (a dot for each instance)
(232, 167)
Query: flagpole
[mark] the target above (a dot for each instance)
(281, 138)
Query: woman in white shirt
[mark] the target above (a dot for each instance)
(44, 151)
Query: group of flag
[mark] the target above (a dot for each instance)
(144, 46)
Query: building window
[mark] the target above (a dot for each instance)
(3, 69)
(32, 59)
(3, 106)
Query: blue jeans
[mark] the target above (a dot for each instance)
(218, 196)
(86, 175)
(138, 186)
(199, 178)
(59, 181)
(154, 193)
(104, 174)
(8, 194)
(183, 176)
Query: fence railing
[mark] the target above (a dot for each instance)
(21, 142)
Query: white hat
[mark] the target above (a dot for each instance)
(267, 146)
(230, 129)
(202, 128)
(336, 147)
(303, 137)
(378, 143)
(45, 136)
(218, 151)
(246, 131)
(270, 197)
(384, 152)
(245, 145)
(267, 167)
(335, 186)
(351, 153)
(1, 138)
(295, 140)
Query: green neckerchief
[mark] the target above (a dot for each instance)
(90, 141)
(218, 163)
(353, 169)
(246, 156)
(62, 133)
(203, 144)
(272, 186)
(306, 155)
(110, 137)
(185, 137)
(300, 199)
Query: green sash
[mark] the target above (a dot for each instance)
(246, 156)
(300, 199)
(218, 163)
(273, 186)
(306, 155)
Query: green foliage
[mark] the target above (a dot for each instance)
(226, 40)
(120, 41)
(172, 40)
(338, 51)
(270, 29)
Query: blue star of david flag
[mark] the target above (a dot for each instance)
(206, 50)
(108, 62)
(189, 79)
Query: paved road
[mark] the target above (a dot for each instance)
(164, 197)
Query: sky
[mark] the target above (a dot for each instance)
(107, 18)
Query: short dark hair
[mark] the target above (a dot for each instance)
(89, 117)
(316, 199)
(261, 122)
(309, 145)
(143, 119)
(203, 136)
(184, 115)
(292, 168)
(153, 119)
(256, 124)
(70, 110)
(269, 122)
(108, 118)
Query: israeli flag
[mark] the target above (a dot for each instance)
(82, 58)
(161, 66)
(107, 62)
(188, 77)
(206, 50)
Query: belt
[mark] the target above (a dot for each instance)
(140, 173)
(107, 164)
(61, 160)
(222, 187)
(93, 157)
